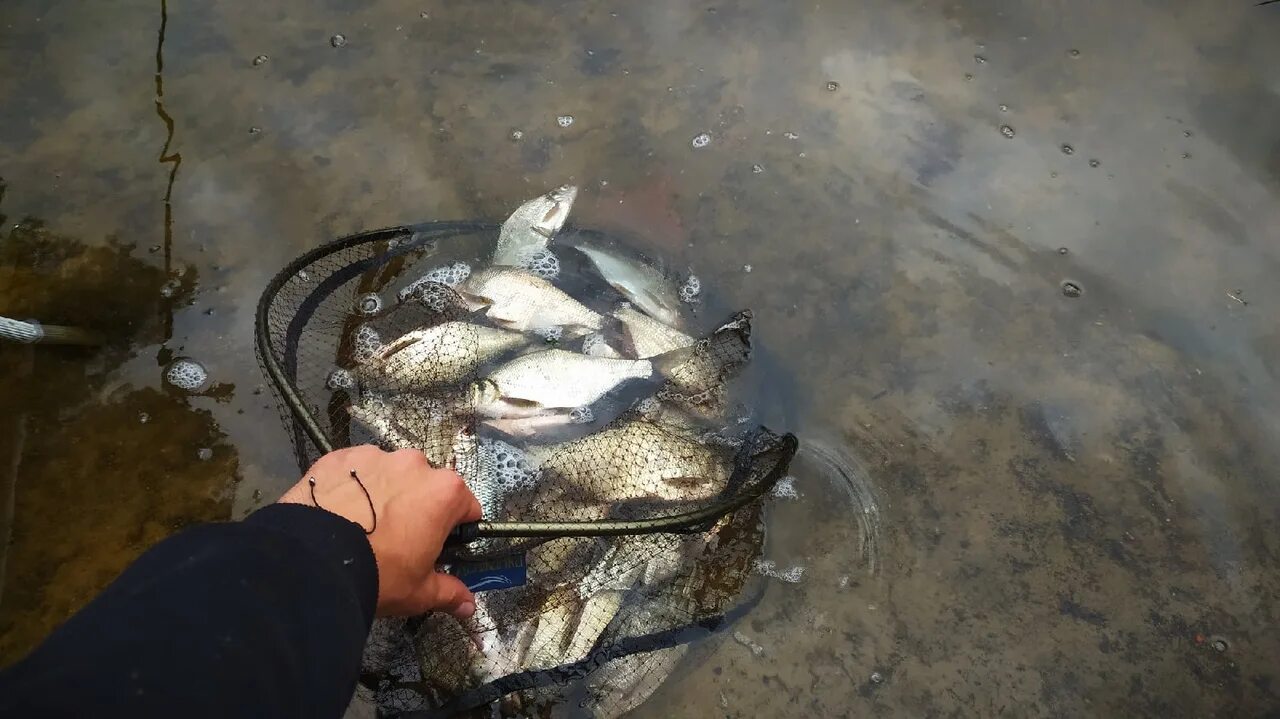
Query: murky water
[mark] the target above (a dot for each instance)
(1042, 482)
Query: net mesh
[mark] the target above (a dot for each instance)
(389, 338)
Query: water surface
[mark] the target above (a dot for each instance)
(1013, 264)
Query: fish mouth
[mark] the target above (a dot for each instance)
(561, 203)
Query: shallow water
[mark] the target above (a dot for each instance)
(1049, 375)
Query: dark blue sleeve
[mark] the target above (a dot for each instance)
(261, 618)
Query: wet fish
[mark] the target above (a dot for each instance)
(624, 683)
(650, 337)
(642, 285)
(517, 300)
(596, 345)
(409, 421)
(535, 222)
(552, 381)
(697, 380)
(568, 631)
(634, 460)
(442, 354)
(493, 470)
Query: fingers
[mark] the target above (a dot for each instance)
(447, 593)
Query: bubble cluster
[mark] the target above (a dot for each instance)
(791, 135)
(1007, 131)
(169, 288)
(187, 374)
(338, 40)
(452, 274)
(564, 120)
(595, 345)
(700, 140)
(364, 342)
(746, 641)
(550, 334)
(340, 379)
(509, 466)
(369, 304)
(769, 569)
(204, 454)
(582, 415)
(542, 263)
(786, 489)
(691, 289)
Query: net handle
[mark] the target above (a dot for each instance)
(682, 523)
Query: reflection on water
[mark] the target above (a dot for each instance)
(1069, 452)
(95, 471)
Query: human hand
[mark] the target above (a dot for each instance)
(416, 506)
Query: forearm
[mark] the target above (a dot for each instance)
(265, 617)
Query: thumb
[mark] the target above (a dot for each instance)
(447, 593)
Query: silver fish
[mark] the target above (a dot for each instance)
(409, 421)
(552, 381)
(633, 460)
(493, 470)
(624, 683)
(650, 337)
(644, 286)
(535, 222)
(697, 379)
(517, 300)
(596, 345)
(442, 354)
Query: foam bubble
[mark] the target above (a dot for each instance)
(187, 374)
(769, 569)
(786, 489)
(550, 334)
(204, 454)
(452, 274)
(564, 120)
(747, 642)
(340, 379)
(508, 466)
(690, 290)
(595, 345)
(648, 406)
(701, 140)
(582, 415)
(542, 263)
(365, 341)
(369, 304)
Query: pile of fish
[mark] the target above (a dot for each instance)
(552, 408)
